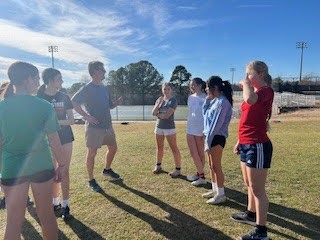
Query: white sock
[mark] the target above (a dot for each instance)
(56, 201)
(65, 203)
(220, 191)
(214, 186)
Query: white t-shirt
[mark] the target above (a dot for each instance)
(195, 117)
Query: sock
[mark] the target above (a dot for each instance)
(201, 175)
(220, 191)
(214, 187)
(159, 164)
(56, 201)
(65, 203)
(262, 229)
(178, 168)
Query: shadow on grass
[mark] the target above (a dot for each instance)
(302, 223)
(30, 233)
(181, 225)
(184, 177)
(83, 231)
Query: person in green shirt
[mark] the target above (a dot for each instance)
(28, 126)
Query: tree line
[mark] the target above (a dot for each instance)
(140, 83)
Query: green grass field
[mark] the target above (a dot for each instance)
(147, 206)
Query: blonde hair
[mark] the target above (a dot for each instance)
(261, 67)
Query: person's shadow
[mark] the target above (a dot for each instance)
(308, 224)
(81, 230)
(30, 233)
(181, 225)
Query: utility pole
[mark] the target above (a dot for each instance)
(52, 49)
(232, 70)
(301, 45)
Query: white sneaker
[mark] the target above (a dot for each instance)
(175, 173)
(199, 181)
(217, 199)
(209, 194)
(192, 178)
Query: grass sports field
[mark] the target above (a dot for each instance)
(147, 206)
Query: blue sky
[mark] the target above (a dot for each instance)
(208, 37)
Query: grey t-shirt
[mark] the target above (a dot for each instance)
(167, 123)
(97, 101)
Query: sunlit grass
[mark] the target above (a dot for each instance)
(147, 206)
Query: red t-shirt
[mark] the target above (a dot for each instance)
(253, 120)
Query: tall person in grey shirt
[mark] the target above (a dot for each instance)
(96, 99)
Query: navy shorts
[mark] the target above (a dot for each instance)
(257, 155)
(218, 140)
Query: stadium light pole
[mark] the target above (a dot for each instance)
(232, 70)
(301, 45)
(52, 49)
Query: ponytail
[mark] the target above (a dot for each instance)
(41, 89)
(8, 90)
(227, 91)
(268, 79)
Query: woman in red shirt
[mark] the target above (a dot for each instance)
(255, 147)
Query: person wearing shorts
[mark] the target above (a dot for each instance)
(28, 126)
(254, 147)
(165, 128)
(217, 113)
(62, 104)
(96, 99)
(195, 138)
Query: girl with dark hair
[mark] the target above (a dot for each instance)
(195, 137)
(217, 112)
(28, 128)
(63, 106)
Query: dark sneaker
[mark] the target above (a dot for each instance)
(57, 210)
(243, 217)
(255, 235)
(30, 202)
(110, 173)
(2, 203)
(65, 213)
(94, 186)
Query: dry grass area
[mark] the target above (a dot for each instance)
(299, 114)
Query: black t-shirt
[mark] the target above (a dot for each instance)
(61, 103)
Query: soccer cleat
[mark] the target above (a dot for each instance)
(192, 178)
(157, 169)
(175, 173)
(255, 235)
(217, 199)
(209, 194)
(111, 174)
(243, 217)
(94, 186)
(199, 181)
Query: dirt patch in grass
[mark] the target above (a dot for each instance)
(303, 114)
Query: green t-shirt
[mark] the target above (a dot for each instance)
(25, 122)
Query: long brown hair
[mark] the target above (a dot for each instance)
(18, 72)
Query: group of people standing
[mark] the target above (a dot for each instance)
(210, 111)
(30, 126)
